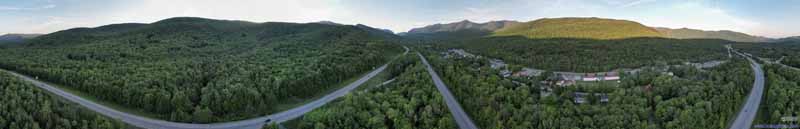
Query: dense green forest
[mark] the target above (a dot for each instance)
(203, 70)
(409, 102)
(586, 55)
(788, 50)
(782, 98)
(24, 106)
(692, 98)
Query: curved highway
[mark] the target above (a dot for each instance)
(253, 123)
(461, 117)
(745, 117)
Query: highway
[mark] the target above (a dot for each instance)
(461, 117)
(253, 123)
(745, 117)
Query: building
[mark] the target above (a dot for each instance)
(497, 63)
(564, 83)
(611, 76)
(505, 73)
(603, 97)
(591, 77)
(581, 97)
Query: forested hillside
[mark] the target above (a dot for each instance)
(24, 106)
(782, 98)
(10, 40)
(685, 33)
(788, 52)
(692, 98)
(586, 55)
(17, 37)
(203, 70)
(463, 25)
(592, 28)
(409, 102)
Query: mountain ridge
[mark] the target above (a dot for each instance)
(176, 25)
(688, 33)
(463, 25)
(17, 37)
(466, 29)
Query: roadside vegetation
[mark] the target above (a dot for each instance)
(409, 102)
(202, 70)
(689, 98)
(782, 97)
(24, 106)
(788, 52)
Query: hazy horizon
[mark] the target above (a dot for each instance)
(751, 17)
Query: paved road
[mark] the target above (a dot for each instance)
(461, 117)
(254, 123)
(745, 117)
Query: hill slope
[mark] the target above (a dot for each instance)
(790, 39)
(593, 28)
(16, 38)
(685, 33)
(203, 70)
(462, 25)
(457, 30)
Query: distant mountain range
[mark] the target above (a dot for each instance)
(788, 39)
(685, 33)
(464, 25)
(17, 38)
(593, 28)
(357, 25)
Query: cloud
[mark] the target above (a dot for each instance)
(8, 8)
(636, 2)
(696, 15)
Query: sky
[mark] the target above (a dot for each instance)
(771, 18)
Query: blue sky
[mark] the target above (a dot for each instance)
(772, 18)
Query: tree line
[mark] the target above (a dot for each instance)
(24, 106)
(410, 102)
(781, 97)
(588, 55)
(202, 71)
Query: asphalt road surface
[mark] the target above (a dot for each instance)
(254, 123)
(461, 117)
(745, 117)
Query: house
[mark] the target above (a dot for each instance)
(603, 97)
(505, 73)
(580, 97)
(564, 83)
(611, 76)
(591, 77)
(497, 63)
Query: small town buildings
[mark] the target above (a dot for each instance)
(564, 83)
(497, 63)
(591, 77)
(581, 97)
